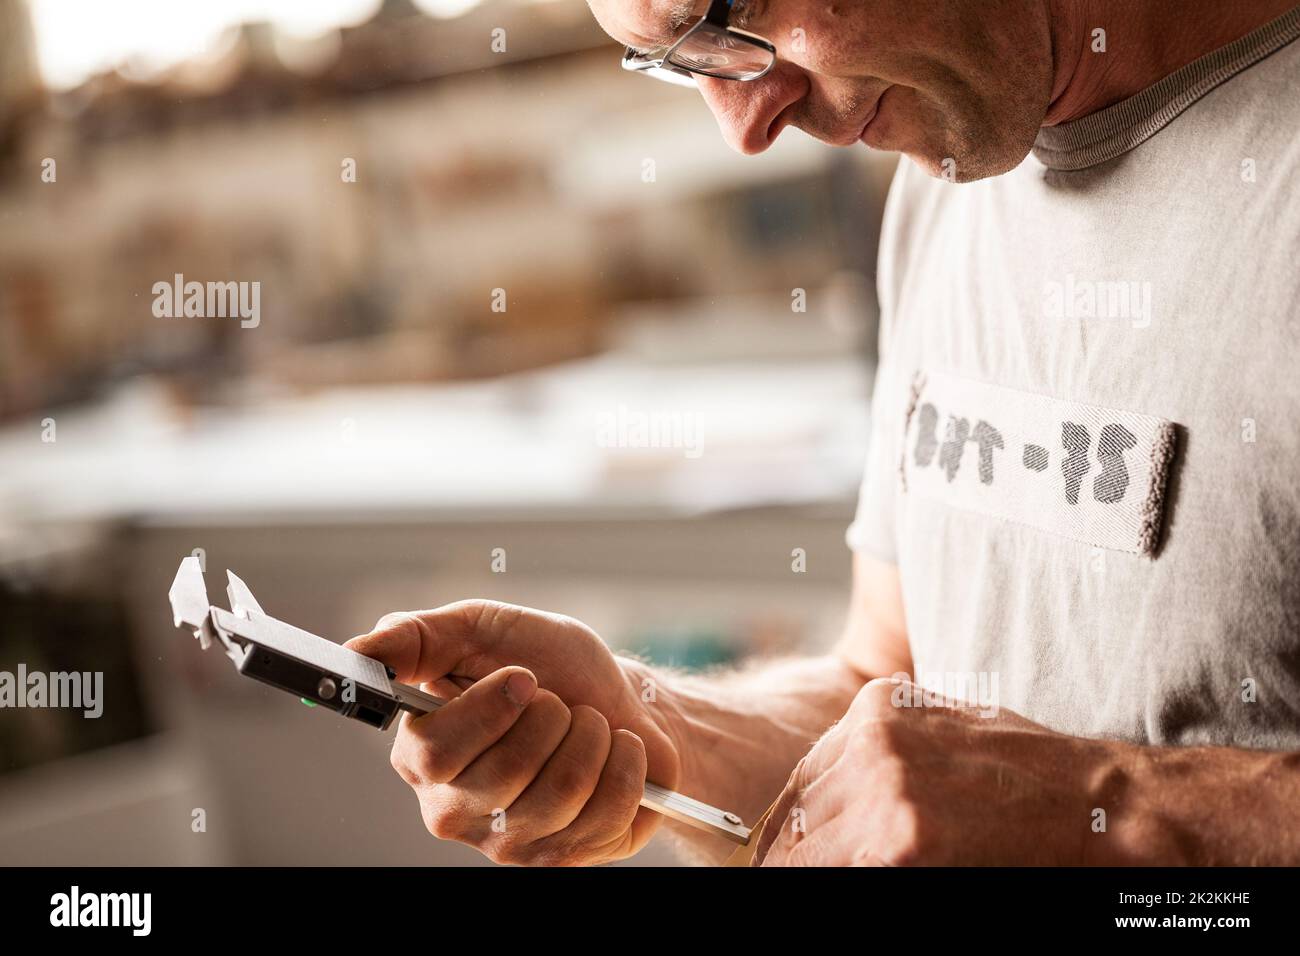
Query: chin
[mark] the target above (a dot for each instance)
(959, 150)
(965, 162)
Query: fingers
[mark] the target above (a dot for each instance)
(810, 817)
(578, 808)
(505, 769)
(568, 786)
(435, 748)
(581, 805)
(778, 820)
(804, 796)
(605, 823)
(569, 778)
(827, 844)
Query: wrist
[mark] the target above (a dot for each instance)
(711, 753)
(655, 701)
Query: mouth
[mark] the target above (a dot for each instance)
(875, 111)
(784, 118)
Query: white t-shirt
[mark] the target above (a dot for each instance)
(1086, 450)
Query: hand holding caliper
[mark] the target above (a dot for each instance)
(537, 746)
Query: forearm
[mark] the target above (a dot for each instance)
(1207, 806)
(740, 734)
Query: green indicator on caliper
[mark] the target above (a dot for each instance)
(309, 703)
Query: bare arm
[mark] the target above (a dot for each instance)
(741, 734)
(1202, 806)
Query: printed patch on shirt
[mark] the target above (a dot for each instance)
(1093, 474)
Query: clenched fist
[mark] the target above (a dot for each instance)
(896, 783)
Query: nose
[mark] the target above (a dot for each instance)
(750, 114)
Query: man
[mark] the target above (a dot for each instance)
(1082, 489)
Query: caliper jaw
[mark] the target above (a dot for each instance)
(318, 671)
(189, 600)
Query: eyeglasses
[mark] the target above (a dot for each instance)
(710, 48)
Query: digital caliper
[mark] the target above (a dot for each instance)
(332, 676)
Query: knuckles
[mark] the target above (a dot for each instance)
(515, 845)
(877, 700)
(397, 759)
(589, 719)
(444, 820)
(516, 849)
(393, 620)
(568, 781)
(548, 708)
(421, 758)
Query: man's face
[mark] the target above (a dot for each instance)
(961, 86)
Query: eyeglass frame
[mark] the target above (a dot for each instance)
(717, 16)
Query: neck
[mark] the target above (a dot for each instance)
(1145, 41)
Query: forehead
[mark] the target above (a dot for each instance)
(645, 23)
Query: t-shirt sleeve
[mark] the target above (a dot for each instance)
(872, 531)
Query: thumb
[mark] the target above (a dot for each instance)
(396, 640)
(425, 646)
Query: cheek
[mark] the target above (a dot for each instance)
(829, 39)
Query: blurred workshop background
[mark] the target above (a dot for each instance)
(528, 330)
